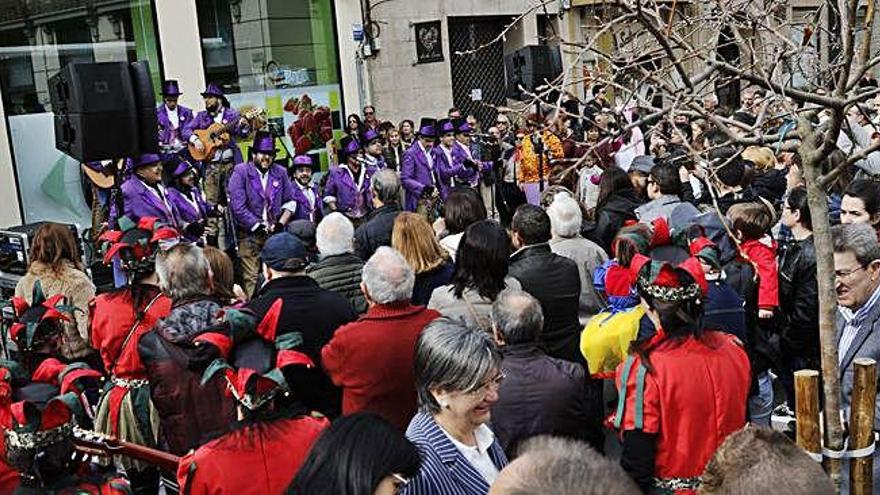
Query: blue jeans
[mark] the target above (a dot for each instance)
(761, 404)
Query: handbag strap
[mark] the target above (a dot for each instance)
(473, 311)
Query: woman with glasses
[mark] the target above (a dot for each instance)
(361, 454)
(407, 131)
(458, 373)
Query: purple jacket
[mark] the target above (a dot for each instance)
(168, 133)
(189, 212)
(203, 120)
(415, 174)
(139, 201)
(347, 193)
(461, 153)
(247, 197)
(304, 209)
(447, 171)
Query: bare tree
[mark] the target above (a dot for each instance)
(666, 56)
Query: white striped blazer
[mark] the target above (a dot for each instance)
(445, 471)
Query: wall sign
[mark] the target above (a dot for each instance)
(429, 42)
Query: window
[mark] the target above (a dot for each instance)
(279, 55)
(36, 40)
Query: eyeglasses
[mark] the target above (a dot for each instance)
(368, 113)
(399, 482)
(845, 274)
(492, 383)
(504, 122)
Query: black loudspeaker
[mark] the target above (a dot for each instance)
(97, 110)
(145, 103)
(531, 67)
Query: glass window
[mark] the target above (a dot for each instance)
(36, 40)
(279, 55)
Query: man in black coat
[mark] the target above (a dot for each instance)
(540, 395)
(552, 279)
(376, 232)
(314, 312)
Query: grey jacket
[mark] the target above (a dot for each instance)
(588, 255)
(676, 211)
(444, 302)
(865, 344)
(341, 273)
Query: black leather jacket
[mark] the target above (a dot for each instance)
(799, 298)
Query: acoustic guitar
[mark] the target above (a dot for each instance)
(217, 135)
(97, 444)
(105, 177)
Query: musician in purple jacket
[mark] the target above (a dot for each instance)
(306, 194)
(218, 167)
(173, 118)
(373, 149)
(262, 202)
(217, 111)
(453, 170)
(417, 172)
(193, 209)
(348, 186)
(143, 194)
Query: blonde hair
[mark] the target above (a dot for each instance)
(761, 156)
(414, 238)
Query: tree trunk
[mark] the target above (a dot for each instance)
(818, 203)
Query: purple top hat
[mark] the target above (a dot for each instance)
(212, 90)
(371, 135)
(462, 127)
(426, 127)
(263, 143)
(300, 161)
(182, 168)
(349, 146)
(445, 126)
(146, 159)
(170, 88)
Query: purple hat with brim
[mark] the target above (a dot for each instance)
(146, 159)
(426, 128)
(170, 88)
(182, 168)
(462, 127)
(264, 143)
(446, 126)
(212, 90)
(349, 146)
(371, 135)
(301, 161)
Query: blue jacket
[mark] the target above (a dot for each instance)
(445, 471)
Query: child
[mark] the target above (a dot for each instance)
(725, 309)
(751, 223)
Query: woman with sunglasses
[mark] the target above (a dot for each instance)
(458, 374)
(361, 454)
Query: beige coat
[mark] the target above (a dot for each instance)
(78, 289)
(477, 315)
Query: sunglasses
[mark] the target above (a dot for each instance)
(368, 113)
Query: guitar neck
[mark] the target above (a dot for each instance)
(102, 445)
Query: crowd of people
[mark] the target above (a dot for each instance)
(565, 304)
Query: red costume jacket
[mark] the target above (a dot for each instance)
(380, 382)
(694, 397)
(762, 252)
(258, 459)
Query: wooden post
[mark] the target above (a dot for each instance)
(806, 393)
(861, 425)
